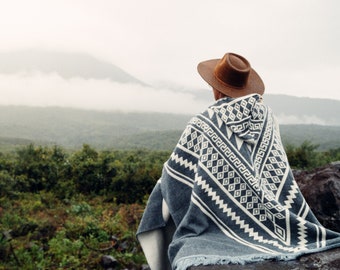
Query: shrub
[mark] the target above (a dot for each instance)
(304, 156)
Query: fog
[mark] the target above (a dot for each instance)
(294, 45)
(38, 89)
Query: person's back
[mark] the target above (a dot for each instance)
(227, 187)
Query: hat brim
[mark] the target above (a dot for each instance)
(254, 83)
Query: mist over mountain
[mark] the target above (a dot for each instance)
(75, 80)
(293, 110)
(302, 110)
(67, 65)
(70, 99)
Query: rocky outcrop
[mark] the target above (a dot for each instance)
(321, 189)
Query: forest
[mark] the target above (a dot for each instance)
(63, 209)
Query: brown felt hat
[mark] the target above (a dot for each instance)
(232, 75)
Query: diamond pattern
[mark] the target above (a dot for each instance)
(254, 187)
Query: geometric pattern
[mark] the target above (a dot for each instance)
(228, 186)
(242, 167)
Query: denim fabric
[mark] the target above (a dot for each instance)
(231, 192)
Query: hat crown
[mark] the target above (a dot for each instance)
(233, 70)
(231, 75)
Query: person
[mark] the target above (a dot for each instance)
(227, 194)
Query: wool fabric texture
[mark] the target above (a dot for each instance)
(231, 192)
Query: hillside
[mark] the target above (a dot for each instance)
(67, 65)
(71, 128)
(327, 137)
(84, 81)
(291, 109)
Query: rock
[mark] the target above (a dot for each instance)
(145, 267)
(321, 189)
(108, 262)
(336, 164)
(24, 229)
(123, 246)
(323, 260)
(44, 233)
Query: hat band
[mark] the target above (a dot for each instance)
(232, 79)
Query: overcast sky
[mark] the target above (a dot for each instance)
(293, 44)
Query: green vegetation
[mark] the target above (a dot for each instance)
(86, 171)
(323, 137)
(307, 157)
(66, 209)
(71, 128)
(39, 231)
(61, 210)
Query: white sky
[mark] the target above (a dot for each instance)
(293, 44)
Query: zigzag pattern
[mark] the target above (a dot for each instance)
(294, 189)
(233, 164)
(302, 232)
(184, 162)
(271, 154)
(271, 173)
(241, 223)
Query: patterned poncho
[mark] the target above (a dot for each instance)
(231, 192)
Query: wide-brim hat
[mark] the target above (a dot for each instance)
(231, 75)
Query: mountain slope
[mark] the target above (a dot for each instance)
(288, 109)
(293, 110)
(71, 128)
(304, 110)
(67, 65)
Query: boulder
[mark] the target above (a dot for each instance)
(321, 189)
(108, 262)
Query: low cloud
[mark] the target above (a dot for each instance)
(285, 119)
(37, 89)
(43, 90)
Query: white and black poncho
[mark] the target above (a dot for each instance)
(231, 193)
